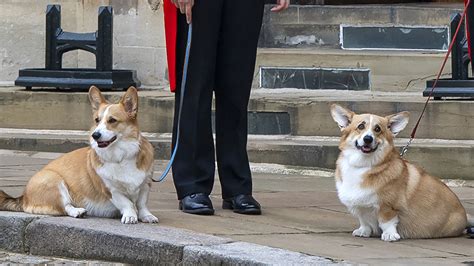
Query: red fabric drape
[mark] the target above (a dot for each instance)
(468, 30)
(171, 27)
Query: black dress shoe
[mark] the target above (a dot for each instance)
(243, 204)
(199, 203)
(470, 231)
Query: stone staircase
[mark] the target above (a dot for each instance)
(289, 126)
(309, 36)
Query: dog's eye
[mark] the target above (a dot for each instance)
(112, 120)
(97, 120)
(361, 127)
(377, 129)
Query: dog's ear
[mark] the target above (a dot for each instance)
(398, 122)
(130, 102)
(341, 115)
(96, 98)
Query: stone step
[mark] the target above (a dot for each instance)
(271, 112)
(316, 26)
(387, 70)
(444, 158)
(140, 244)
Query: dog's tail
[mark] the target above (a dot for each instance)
(8, 203)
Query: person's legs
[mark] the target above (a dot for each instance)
(193, 168)
(236, 54)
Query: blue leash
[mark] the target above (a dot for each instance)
(181, 99)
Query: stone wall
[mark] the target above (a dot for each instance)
(138, 36)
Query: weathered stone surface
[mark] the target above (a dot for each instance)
(299, 36)
(108, 239)
(138, 25)
(308, 111)
(25, 259)
(407, 71)
(301, 213)
(146, 59)
(446, 159)
(155, 4)
(315, 26)
(241, 253)
(139, 40)
(12, 228)
(22, 32)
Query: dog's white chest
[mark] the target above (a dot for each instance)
(350, 190)
(123, 176)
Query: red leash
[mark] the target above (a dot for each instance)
(412, 135)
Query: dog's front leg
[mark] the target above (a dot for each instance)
(366, 217)
(126, 207)
(144, 214)
(388, 221)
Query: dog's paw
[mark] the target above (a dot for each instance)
(152, 219)
(129, 219)
(76, 212)
(390, 236)
(362, 231)
(81, 212)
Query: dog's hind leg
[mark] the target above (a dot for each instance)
(42, 194)
(68, 207)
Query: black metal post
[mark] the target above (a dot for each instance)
(460, 84)
(53, 27)
(469, 27)
(58, 42)
(456, 54)
(104, 52)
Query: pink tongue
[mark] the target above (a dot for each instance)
(366, 148)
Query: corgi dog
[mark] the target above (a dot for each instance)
(110, 178)
(392, 198)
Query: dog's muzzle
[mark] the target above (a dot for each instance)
(368, 145)
(102, 144)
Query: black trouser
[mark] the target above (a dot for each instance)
(222, 59)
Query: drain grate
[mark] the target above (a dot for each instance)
(314, 78)
(394, 37)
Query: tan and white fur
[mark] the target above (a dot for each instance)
(110, 178)
(391, 197)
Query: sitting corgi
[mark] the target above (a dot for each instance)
(109, 178)
(390, 196)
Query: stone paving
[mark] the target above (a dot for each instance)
(7, 258)
(301, 212)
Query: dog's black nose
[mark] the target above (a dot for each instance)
(368, 139)
(96, 135)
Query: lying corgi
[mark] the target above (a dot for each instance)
(390, 196)
(109, 178)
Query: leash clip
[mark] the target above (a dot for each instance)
(405, 148)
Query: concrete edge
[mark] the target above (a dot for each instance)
(109, 240)
(243, 253)
(12, 230)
